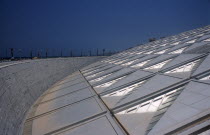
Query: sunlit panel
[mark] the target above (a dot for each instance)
(108, 83)
(141, 64)
(148, 106)
(113, 61)
(140, 52)
(200, 35)
(125, 90)
(176, 43)
(185, 68)
(167, 100)
(107, 60)
(94, 74)
(159, 65)
(207, 40)
(191, 41)
(100, 78)
(90, 72)
(205, 78)
(163, 45)
(177, 51)
(120, 61)
(148, 52)
(161, 52)
(128, 63)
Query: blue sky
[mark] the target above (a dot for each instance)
(89, 24)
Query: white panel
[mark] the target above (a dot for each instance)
(63, 101)
(71, 87)
(63, 92)
(65, 116)
(100, 126)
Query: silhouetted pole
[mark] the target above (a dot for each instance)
(71, 54)
(46, 53)
(41, 54)
(31, 54)
(19, 51)
(53, 52)
(103, 52)
(61, 53)
(81, 53)
(90, 52)
(97, 52)
(6, 52)
(12, 53)
(38, 54)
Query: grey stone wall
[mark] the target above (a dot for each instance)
(22, 84)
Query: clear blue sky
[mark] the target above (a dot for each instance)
(86, 24)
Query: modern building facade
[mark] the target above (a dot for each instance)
(162, 87)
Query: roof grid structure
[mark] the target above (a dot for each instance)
(161, 87)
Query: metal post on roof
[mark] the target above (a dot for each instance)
(38, 54)
(31, 54)
(81, 53)
(103, 52)
(6, 51)
(12, 53)
(19, 51)
(90, 52)
(46, 53)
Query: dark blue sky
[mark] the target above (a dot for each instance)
(110, 24)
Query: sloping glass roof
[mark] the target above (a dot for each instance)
(161, 87)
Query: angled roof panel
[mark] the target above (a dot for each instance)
(188, 106)
(204, 66)
(101, 87)
(205, 78)
(130, 79)
(179, 47)
(62, 101)
(206, 36)
(62, 116)
(193, 46)
(141, 62)
(139, 118)
(96, 70)
(63, 92)
(104, 72)
(155, 84)
(159, 62)
(114, 75)
(181, 59)
(185, 70)
(68, 86)
(97, 126)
